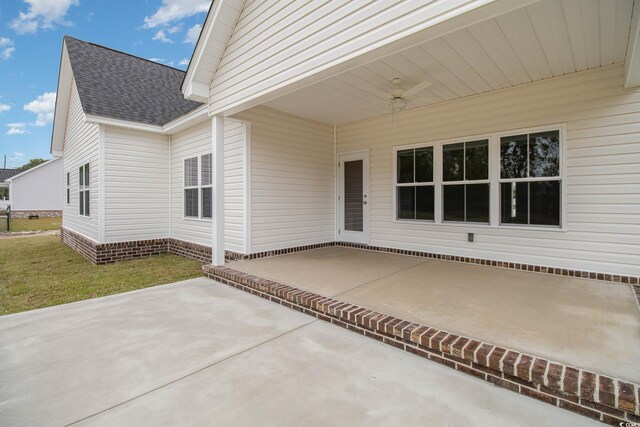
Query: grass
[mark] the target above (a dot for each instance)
(35, 224)
(40, 271)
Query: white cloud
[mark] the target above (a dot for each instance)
(4, 107)
(6, 48)
(44, 106)
(6, 53)
(192, 34)
(175, 29)
(16, 160)
(42, 14)
(174, 10)
(17, 128)
(161, 37)
(184, 61)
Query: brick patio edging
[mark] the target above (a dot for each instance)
(600, 397)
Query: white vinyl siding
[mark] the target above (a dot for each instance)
(40, 188)
(292, 180)
(602, 172)
(81, 146)
(196, 142)
(136, 185)
(275, 43)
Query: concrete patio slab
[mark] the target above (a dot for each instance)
(580, 322)
(321, 375)
(200, 353)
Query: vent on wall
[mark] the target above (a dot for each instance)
(471, 237)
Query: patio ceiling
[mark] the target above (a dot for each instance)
(546, 39)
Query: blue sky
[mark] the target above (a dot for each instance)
(30, 42)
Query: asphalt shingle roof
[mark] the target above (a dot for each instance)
(8, 173)
(121, 86)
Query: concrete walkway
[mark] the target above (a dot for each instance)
(580, 322)
(201, 353)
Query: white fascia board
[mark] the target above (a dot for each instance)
(107, 121)
(196, 91)
(632, 59)
(189, 119)
(65, 79)
(201, 45)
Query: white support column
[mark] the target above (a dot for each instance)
(217, 140)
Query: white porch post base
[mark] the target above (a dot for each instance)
(217, 140)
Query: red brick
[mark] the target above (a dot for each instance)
(502, 383)
(554, 376)
(626, 396)
(607, 391)
(425, 339)
(538, 370)
(570, 381)
(588, 386)
(408, 330)
(456, 348)
(523, 367)
(495, 356)
(448, 342)
(482, 354)
(602, 408)
(509, 362)
(559, 393)
(471, 371)
(437, 339)
(415, 334)
(470, 349)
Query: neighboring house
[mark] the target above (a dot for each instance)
(37, 191)
(5, 174)
(515, 134)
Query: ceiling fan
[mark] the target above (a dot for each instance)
(398, 98)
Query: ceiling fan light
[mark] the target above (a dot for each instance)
(398, 104)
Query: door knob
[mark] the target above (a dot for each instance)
(364, 202)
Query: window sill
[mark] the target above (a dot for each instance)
(186, 218)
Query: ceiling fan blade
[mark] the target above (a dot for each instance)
(417, 88)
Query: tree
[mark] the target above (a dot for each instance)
(32, 163)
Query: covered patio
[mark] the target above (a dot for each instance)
(580, 322)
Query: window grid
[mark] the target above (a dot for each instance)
(415, 184)
(198, 187)
(84, 205)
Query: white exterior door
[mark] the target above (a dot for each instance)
(353, 197)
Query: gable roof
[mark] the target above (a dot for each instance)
(121, 86)
(8, 173)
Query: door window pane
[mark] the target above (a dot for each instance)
(424, 202)
(544, 154)
(424, 164)
(405, 166)
(406, 203)
(544, 199)
(513, 156)
(514, 203)
(477, 203)
(353, 195)
(453, 202)
(476, 160)
(453, 158)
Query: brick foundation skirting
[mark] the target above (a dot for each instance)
(41, 214)
(603, 398)
(195, 251)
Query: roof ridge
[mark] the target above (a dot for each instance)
(66, 36)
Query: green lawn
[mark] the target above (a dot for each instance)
(35, 224)
(40, 271)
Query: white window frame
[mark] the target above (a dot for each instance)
(397, 184)
(494, 180)
(198, 187)
(561, 176)
(465, 181)
(84, 187)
